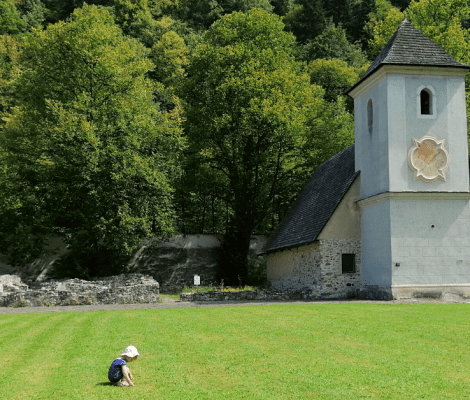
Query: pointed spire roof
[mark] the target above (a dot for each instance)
(408, 46)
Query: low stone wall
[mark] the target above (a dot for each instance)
(11, 284)
(121, 289)
(262, 294)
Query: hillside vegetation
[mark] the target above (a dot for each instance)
(128, 119)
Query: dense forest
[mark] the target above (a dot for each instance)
(122, 120)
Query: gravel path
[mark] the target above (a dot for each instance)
(171, 303)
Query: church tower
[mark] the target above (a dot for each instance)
(412, 153)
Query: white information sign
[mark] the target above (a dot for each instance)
(197, 280)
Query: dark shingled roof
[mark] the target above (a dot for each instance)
(408, 46)
(316, 203)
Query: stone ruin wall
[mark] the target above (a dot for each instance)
(172, 263)
(120, 289)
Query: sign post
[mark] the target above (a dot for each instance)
(197, 281)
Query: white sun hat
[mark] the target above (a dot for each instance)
(130, 351)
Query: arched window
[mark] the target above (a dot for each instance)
(370, 116)
(426, 102)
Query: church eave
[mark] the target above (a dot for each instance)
(417, 69)
(290, 247)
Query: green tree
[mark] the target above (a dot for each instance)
(442, 21)
(248, 103)
(87, 155)
(335, 77)
(10, 50)
(306, 20)
(33, 13)
(282, 7)
(60, 10)
(330, 130)
(201, 14)
(355, 26)
(160, 8)
(170, 56)
(202, 207)
(338, 11)
(333, 43)
(381, 26)
(401, 4)
(135, 19)
(10, 18)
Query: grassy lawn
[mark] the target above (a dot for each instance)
(336, 351)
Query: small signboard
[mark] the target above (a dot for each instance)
(197, 280)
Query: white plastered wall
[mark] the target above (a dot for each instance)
(376, 245)
(406, 123)
(371, 150)
(430, 246)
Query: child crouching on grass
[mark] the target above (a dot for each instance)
(119, 373)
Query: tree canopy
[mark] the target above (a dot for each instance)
(248, 104)
(98, 101)
(86, 155)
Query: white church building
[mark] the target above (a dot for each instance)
(388, 217)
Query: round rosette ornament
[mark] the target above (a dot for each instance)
(429, 159)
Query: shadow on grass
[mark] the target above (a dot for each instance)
(104, 384)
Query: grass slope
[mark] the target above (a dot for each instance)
(338, 351)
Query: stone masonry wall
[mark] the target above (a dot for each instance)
(120, 289)
(317, 269)
(333, 282)
(263, 294)
(268, 294)
(295, 269)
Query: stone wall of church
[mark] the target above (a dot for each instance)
(333, 282)
(295, 269)
(316, 268)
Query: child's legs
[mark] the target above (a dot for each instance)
(125, 380)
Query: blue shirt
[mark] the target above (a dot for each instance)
(115, 370)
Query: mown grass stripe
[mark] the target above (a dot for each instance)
(25, 339)
(349, 351)
(18, 324)
(40, 358)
